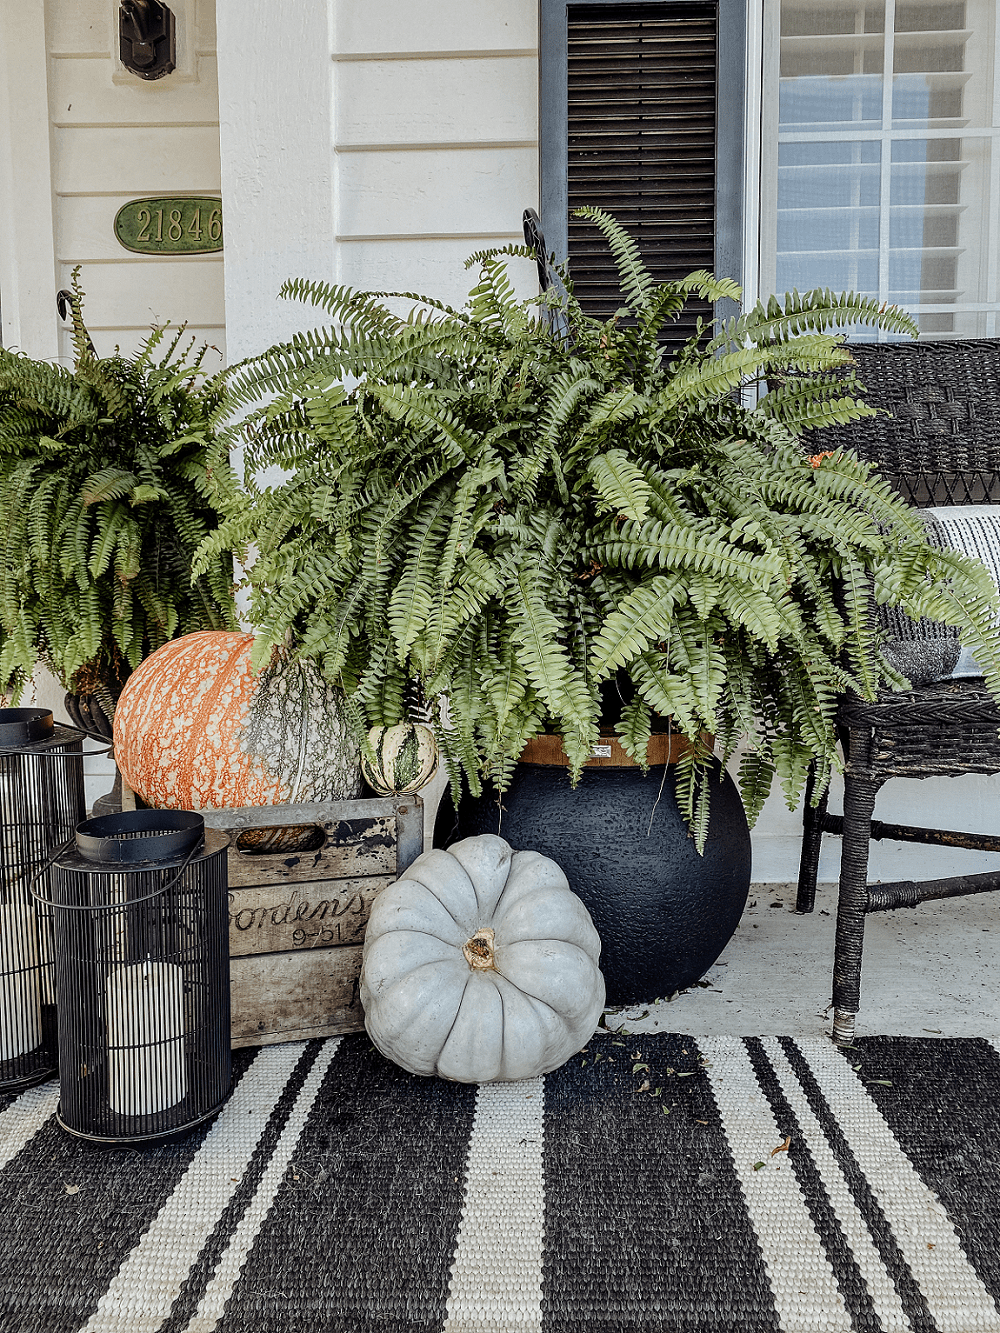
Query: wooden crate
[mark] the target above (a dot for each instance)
(297, 919)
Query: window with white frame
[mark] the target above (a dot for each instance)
(881, 164)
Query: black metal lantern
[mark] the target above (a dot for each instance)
(41, 802)
(141, 928)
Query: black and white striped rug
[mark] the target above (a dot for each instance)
(722, 1185)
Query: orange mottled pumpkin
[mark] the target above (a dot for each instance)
(196, 728)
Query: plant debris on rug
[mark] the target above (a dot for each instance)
(654, 1182)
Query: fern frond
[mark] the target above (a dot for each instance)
(111, 483)
(643, 618)
(634, 729)
(755, 776)
(620, 484)
(637, 282)
(822, 309)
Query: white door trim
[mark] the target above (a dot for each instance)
(27, 236)
(276, 110)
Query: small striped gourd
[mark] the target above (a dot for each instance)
(406, 758)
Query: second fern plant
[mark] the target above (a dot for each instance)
(103, 503)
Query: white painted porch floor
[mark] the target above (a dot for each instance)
(927, 971)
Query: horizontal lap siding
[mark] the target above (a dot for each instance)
(116, 137)
(437, 101)
(459, 191)
(83, 25)
(402, 28)
(436, 133)
(642, 143)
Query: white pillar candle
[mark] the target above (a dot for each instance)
(20, 998)
(113, 940)
(145, 1005)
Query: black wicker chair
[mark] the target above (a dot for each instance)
(941, 446)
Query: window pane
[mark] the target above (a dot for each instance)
(807, 102)
(828, 215)
(885, 189)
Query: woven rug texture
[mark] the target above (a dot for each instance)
(654, 1183)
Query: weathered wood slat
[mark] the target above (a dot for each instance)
(351, 847)
(297, 918)
(306, 812)
(293, 996)
(317, 914)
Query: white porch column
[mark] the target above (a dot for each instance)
(27, 244)
(276, 127)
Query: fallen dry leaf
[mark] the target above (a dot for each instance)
(72, 1189)
(782, 1147)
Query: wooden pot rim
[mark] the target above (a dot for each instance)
(663, 748)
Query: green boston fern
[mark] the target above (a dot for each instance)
(103, 503)
(514, 504)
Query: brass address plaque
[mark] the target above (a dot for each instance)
(169, 225)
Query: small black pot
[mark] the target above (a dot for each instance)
(85, 712)
(664, 913)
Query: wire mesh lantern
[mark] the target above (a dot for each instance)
(141, 926)
(41, 802)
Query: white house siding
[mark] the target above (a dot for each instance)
(436, 139)
(384, 143)
(115, 137)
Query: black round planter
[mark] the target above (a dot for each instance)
(664, 913)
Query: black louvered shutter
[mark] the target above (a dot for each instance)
(642, 143)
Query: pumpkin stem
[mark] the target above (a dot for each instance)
(479, 949)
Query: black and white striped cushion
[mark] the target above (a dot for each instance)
(927, 650)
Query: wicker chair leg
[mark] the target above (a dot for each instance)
(812, 837)
(843, 1027)
(860, 790)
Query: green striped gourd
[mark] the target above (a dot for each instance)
(406, 758)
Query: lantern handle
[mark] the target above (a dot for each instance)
(96, 736)
(61, 754)
(55, 751)
(107, 742)
(90, 907)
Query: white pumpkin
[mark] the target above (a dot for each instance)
(406, 758)
(480, 965)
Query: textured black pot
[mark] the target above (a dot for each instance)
(85, 712)
(664, 913)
